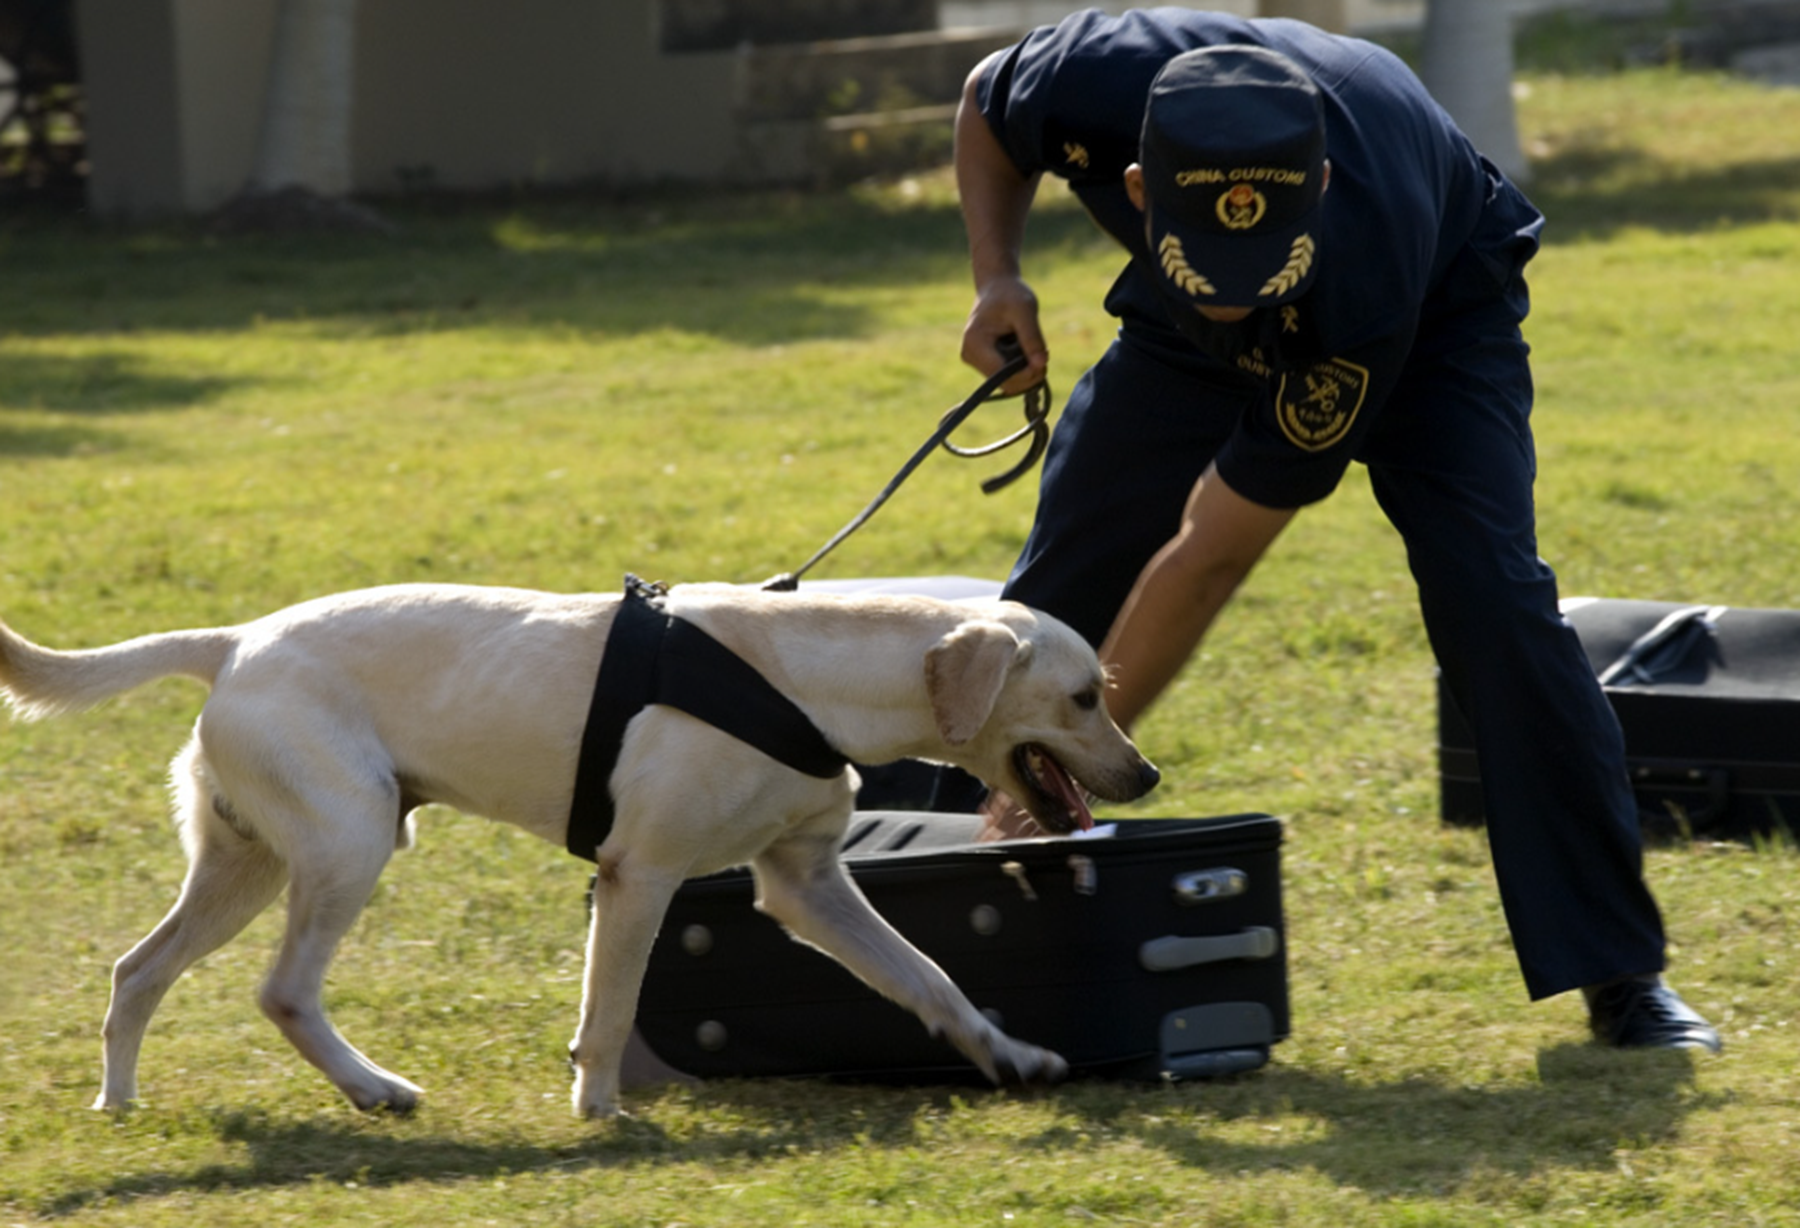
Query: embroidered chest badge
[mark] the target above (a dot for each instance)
(1317, 406)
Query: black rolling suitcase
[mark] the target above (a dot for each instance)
(1154, 952)
(1709, 699)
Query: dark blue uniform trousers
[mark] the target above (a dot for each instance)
(1451, 462)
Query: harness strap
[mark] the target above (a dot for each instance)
(652, 657)
(708, 681)
(626, 684)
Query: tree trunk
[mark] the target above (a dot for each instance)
(1467, 64)
(300, 179)
(305, 136)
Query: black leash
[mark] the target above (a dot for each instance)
(1037, 427)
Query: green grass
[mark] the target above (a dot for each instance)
(551, 393)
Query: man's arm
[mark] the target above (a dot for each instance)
(1177, 596)
(1182, 589)
(996, 199)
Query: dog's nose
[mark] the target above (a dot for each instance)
(1148, 777)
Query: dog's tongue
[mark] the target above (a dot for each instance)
(1060, 783)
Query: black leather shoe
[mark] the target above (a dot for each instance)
(1644, 1013)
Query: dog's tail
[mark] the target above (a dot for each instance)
(39, 682)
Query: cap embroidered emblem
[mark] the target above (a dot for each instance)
(1175, 265)
(1241, 207)
(1300, 258)
(1075, 154)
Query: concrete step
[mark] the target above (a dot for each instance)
(845, 148)
(859, 76)
(837, 110)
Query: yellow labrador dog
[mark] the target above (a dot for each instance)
(330, 721)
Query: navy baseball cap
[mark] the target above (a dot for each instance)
(1233, 153)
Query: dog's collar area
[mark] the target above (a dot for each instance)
(652, 657)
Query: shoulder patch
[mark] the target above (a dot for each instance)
(1317, 406)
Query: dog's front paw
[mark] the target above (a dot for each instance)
(1005, 1061)
(602, 1109)
(595, 1098)
(389, 1095)
(1022, 1065)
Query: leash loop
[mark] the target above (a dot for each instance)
(1037, 426)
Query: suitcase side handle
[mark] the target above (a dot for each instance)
(1170, 953)
(1716, 781)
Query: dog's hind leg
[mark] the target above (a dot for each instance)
(333, 873)
(801, 883)
(319, 791)
(231, 878)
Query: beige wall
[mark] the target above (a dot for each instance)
(173, 99)
(129, 78)
(494, 92)
(222, 60)
(477, 93)
(460, 93)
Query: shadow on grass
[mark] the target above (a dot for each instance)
(756, 269)
(1589, 192)
(98, 384)
(283, 1153)
(1392, 1139)
(84, 390)
(750, 269)
(1416, 1135)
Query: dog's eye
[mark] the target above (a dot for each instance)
(1087, 700)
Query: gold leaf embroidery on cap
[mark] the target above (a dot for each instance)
(1300, 258)
(1075, 154)
(1174, 263)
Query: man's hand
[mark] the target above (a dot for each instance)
(1005, 307)
(1005, 819)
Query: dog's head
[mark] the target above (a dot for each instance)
(1019, 700)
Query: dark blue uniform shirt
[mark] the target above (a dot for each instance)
(1408, 196)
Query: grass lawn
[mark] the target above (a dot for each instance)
(552, 392)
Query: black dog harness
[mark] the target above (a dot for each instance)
(652, 657)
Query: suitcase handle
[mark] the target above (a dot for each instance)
(1665, 647)
(1716, 781)
(1171, 953)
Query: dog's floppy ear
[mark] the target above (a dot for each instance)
(964, 672)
